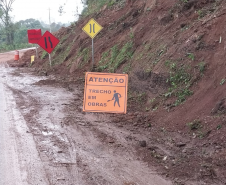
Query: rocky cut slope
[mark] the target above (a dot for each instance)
(174, 53)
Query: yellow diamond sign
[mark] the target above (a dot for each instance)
(92, 28)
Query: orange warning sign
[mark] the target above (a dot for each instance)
(105, 92)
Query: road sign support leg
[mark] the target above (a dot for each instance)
(50, 62)
(92, 54)
(36, 50)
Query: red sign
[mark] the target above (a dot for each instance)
(48, 42)
(34, 35)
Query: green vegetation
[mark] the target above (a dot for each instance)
(137, 98)
(186, 27)
(180, 82)
(201, 14)
(18, 38)
(93, 6)
(7, 28)
(14, 35)
(153, 104)
(131, 34)
(125, 53)
(116, 56)
(62, 40)
(194, 125)
(6, 47)
(201, 134)
(219, 127)
(61, 57)
(222, 81)
(83, 55)
(191, 56)
(184, 1)
(44, 54)
(197, 129)
(86, 55)
(151, 58)
(127, 68)
(141, 97)
(202, 66)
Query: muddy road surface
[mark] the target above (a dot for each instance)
(46, 138)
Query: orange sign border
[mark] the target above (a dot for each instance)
(112, 74)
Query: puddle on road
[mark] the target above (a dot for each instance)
(46, 133)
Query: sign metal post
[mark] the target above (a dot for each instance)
(92, 54)
(50, 61)
(36, 50)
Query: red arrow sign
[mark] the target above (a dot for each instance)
(48, 42)
(34, 35)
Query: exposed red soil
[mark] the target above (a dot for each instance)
(186, 142)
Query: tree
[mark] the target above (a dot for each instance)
(21, 27)
(30, 24)
(61, 10)
(5, 9)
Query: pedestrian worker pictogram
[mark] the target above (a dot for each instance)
(105, 92)
(92, 28)
(116, 97)
(48, 42)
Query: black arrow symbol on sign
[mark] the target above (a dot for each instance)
(46, 43)
(91, 28)
(49, 42)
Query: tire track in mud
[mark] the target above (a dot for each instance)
(21, 156)
(52, 144)
(30, 108)
(77, 148)
(105, 151)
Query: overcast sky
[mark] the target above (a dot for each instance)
(39, 9)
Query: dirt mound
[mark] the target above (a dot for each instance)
(174, 53)
(24, 60)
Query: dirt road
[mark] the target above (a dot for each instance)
(47, 139)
